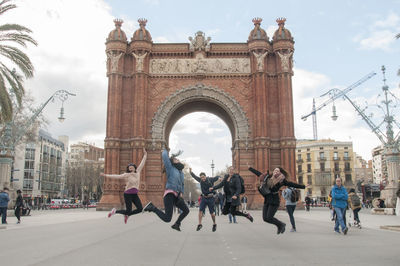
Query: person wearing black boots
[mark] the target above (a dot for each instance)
(273, 183)
(173, 194)
(232, 189)
(18, 206)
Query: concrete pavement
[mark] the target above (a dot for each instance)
(81, 237)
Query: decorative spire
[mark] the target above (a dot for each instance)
(142, 22)
(281, 24)
(257, 21)
(118, 22)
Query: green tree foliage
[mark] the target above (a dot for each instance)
(12, 58)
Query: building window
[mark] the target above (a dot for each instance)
(322, 166)
(308, 168)
(322, 155)
(300, 180)
(299, 168)
(321, 148)
(335, 155)
(298, 156)
(309, 180)
(308, 156)
(348, 178)
(346, 154)
(337, 167)
(347, 166)
(309, 191)
(298, 150)
(335, 148)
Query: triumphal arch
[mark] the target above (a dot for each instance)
(152, 85)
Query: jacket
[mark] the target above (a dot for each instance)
(339, 197)
(205, 185)
(273, 197)
(4, 199)
(231, 188)
(287, 194)
(175, 177)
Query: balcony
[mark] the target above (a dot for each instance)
(299, 161)
(348, 183)
(336, 158)
(326, 170)
(299, 171)
(322, 159)
(308, 159)
(347, 158)
(347, 169)
(337, 170)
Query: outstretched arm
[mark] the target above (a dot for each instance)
(254, 171)
(295, 185)
(166, 161)
(194, 176)
(220, 185)
(114, 176)
(141, 165)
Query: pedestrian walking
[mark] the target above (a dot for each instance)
(232, 187)
(132, 179)
(4, 199)
(291, 198)
(308, 200)
(354, 203)
(273, 183)
(19, 204)
(216, 201)
(339, 203)
(207, 197)
(174, 189)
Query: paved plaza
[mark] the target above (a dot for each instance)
(87, 237)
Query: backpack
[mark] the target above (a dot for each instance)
(242, 190)
(294, 195)
(355, 200)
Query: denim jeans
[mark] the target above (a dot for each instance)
(230, 218)
(3, 212)
(340, 212)
(290, 209)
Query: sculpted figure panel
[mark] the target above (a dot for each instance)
(200, 65)
(139, 61)
(285, 60)
(114, 59)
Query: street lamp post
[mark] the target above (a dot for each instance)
(9, 139)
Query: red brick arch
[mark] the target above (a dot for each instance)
(151, 85)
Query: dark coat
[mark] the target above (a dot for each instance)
(231, 187)
(273, 197)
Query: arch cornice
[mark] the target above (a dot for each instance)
(200, 92)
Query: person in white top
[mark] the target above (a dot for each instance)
(132, 178)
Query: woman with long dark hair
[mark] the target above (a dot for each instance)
(273, 183)
(132, 178)
(173, 194)
(232, 188)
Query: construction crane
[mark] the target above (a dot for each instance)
(334, 94)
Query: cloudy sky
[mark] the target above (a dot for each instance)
(336, 44)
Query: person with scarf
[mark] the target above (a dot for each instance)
(232, 188)
(274, 182)
(173, 194)
(132, 179)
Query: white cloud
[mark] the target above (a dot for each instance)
(378, 40)
(161, 39)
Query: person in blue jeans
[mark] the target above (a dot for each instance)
(232, 217)
(339, 203)
(4, 199)
(290, 206)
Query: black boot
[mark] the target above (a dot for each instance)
(149, 207)
(176, 227)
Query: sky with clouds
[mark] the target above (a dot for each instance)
(336, 44)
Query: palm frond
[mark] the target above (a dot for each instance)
(19, 58)
(398, 36)
(14, 27)
(5, 103)
(15, 82)
(4, 8)
(19, 38)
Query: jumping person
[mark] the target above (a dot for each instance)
(207, 197)
(274, 182)
(232, 189)
(174, 189)
(132, 178)
(19, 204)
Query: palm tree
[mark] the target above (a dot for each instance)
(10, 80)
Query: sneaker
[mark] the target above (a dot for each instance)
(230, 222)
(293, 230)
(214, 228)
(126, 218)
(345, 231)
(149, 207)
(248, 216)
(18, 222)
(199, 227)
(112, 212)
(176, 227)
(337, 231)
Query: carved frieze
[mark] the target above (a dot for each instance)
(200, 65)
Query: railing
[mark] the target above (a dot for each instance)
(336, 158)
(321, 158)
(347, 169)
(347, 158)
(299, 161)
(337, 169)
(308, 159)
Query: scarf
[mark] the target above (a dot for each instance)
(271, 182)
